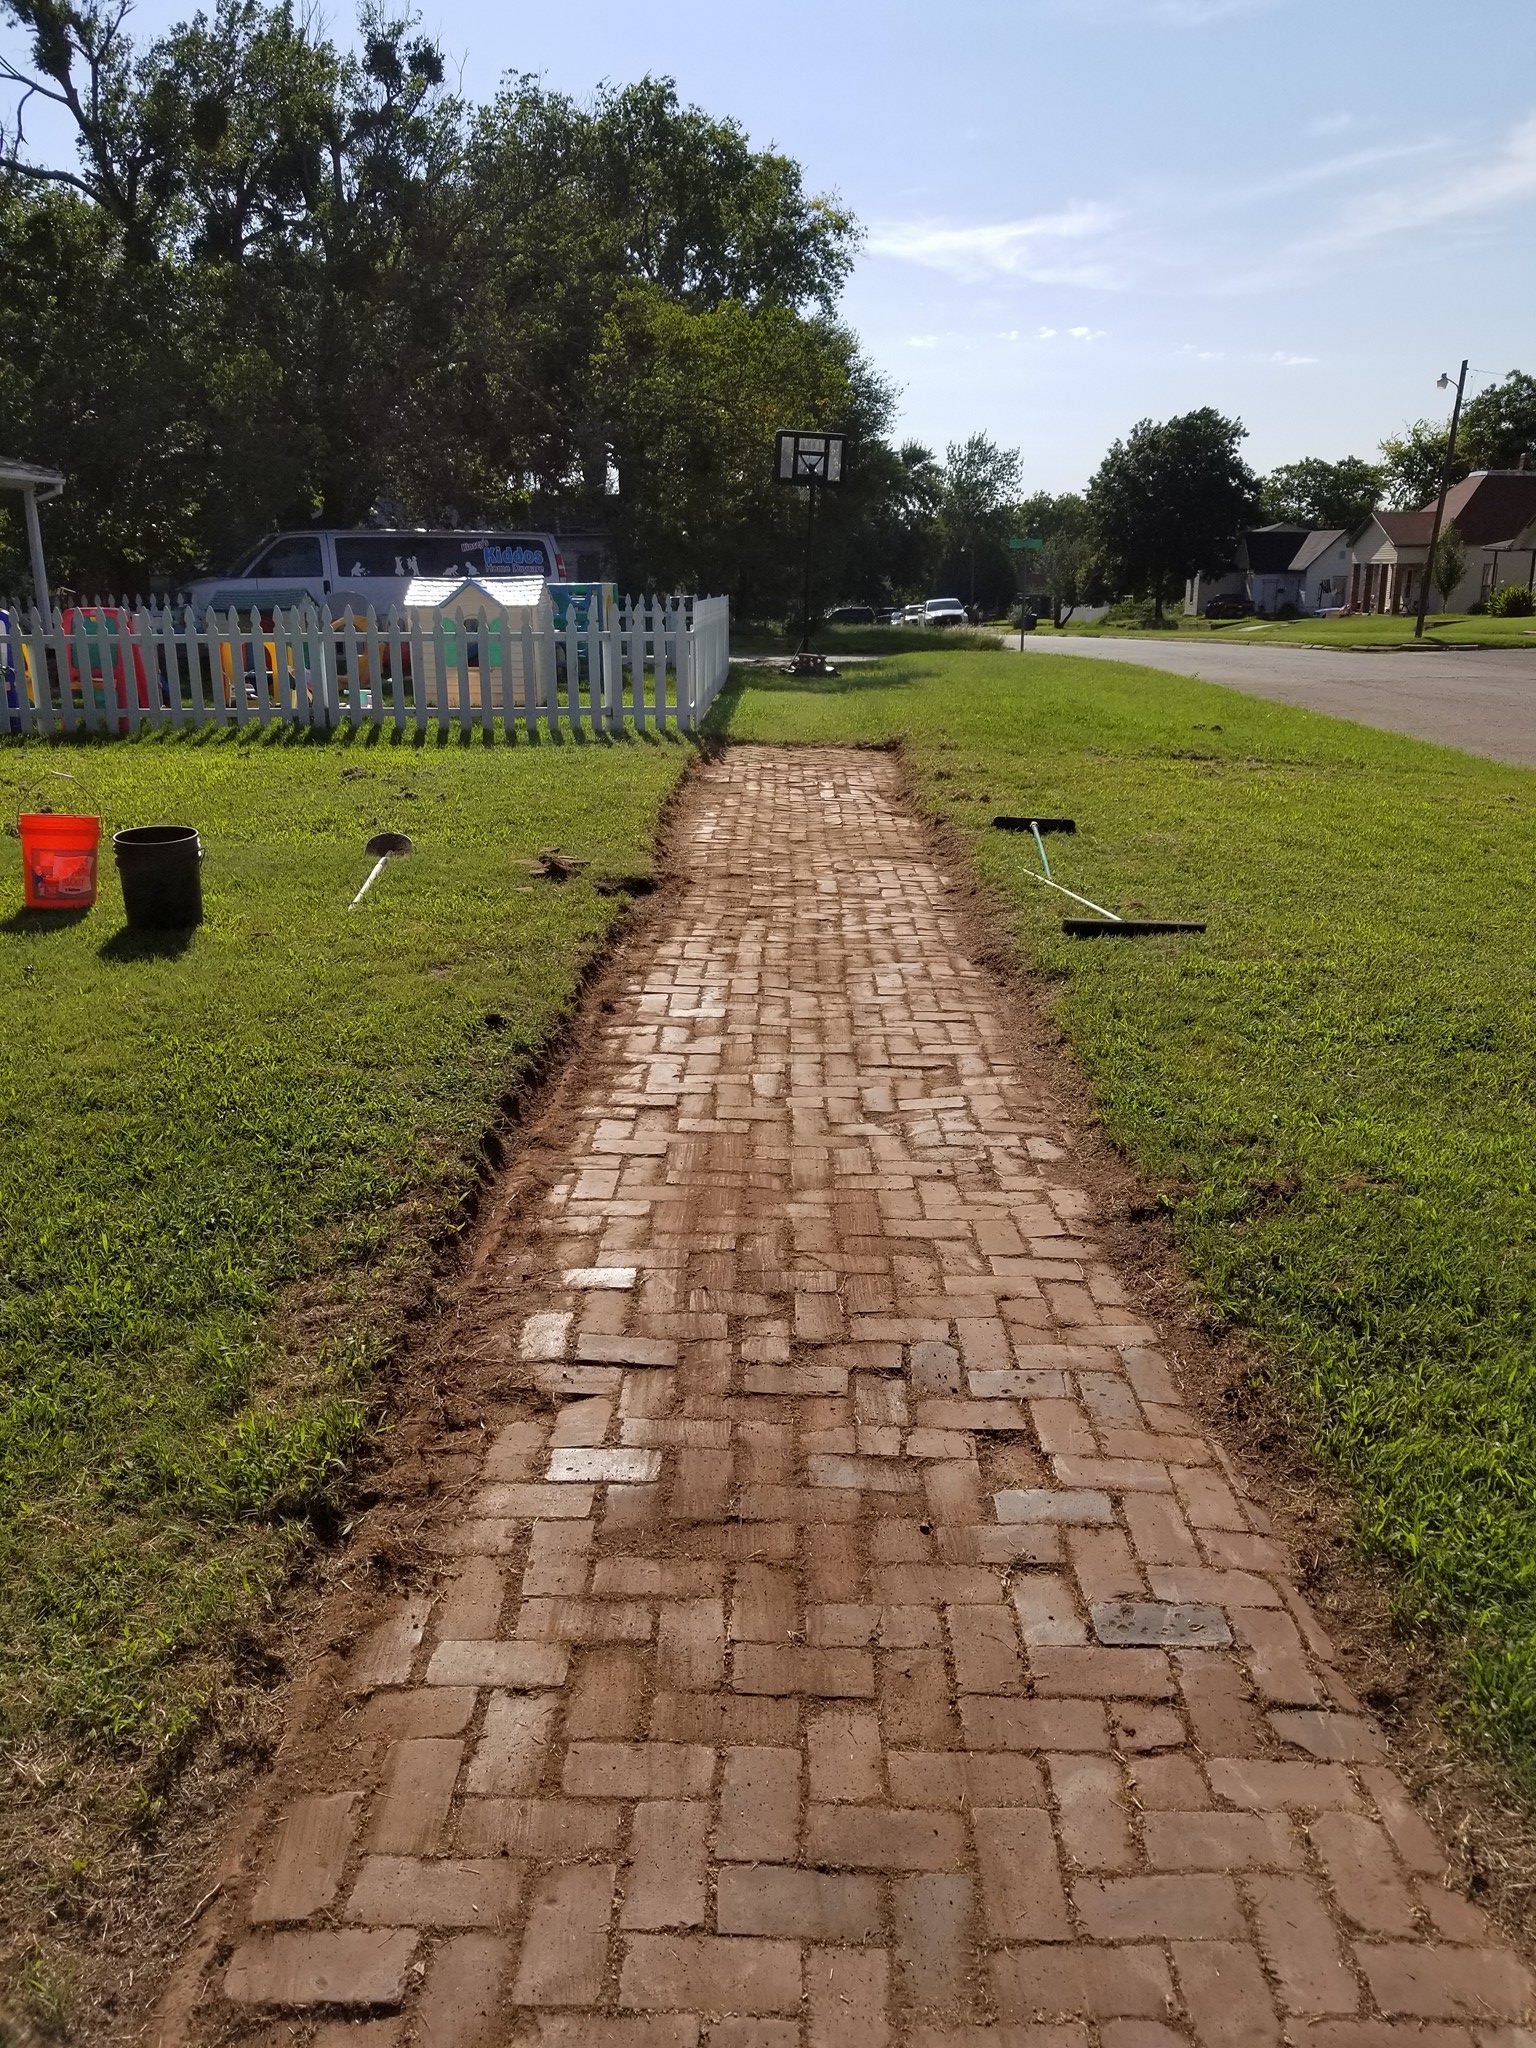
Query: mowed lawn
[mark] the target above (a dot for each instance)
(223, 1168)
(1336, 1086)
(1365, 631)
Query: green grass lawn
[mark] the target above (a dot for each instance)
(1455, 629)
(1336, 1086)
(193, 1141)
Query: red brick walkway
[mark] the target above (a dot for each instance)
(860, 1644)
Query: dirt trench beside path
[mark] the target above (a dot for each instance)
(845, 1638)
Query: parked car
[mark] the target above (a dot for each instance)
(851, 615)
(913, 615)
(945, 611)
(891, 615)
(1229, 608)
(374, 567)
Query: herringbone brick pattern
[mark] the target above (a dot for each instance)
(858, 1643)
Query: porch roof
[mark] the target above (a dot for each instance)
(28, 476)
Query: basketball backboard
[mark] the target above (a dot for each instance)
(810, 458)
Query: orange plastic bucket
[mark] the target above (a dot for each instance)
(58, 859)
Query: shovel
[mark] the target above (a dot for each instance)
(388, 846)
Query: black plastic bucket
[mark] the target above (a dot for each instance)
(161, 870)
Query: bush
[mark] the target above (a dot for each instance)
(1478, 608)
(1514, 601)
(1288, 611)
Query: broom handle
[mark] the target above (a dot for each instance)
(1113, 915)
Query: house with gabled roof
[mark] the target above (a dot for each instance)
(1321, 569)
(1259, 571)
(1494, 511)
(1279, 565)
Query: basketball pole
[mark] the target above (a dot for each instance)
(810, 535)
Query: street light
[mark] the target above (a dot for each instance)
(1442, 383)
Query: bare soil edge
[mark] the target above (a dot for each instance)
(123, 1928)
(1238, 1387)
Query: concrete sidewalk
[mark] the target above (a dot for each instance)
(1481, 700)
(846, 1637)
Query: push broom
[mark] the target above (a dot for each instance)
(1106, 923)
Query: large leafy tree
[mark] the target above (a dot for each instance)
(1497, 431)
(1321, 494)
(977, 494)
(1067, 569)
(1498, 426)
(1169, 502)
(1044, 514)
(885, 524)
(1413, 460)
(281, 280)
(695, 395)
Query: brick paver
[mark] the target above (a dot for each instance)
(848, 1638)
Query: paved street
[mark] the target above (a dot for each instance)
(837, 1633)
(1483, 701)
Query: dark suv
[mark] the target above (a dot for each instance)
(1229, 608)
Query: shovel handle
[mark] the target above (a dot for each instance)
(378, 869)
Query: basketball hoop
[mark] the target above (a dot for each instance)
(814, 461)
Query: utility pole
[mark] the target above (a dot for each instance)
(1445, 485)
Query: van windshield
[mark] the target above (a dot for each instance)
(364, 555)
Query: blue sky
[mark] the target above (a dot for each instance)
(1081, 212)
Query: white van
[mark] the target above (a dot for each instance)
(374, 565)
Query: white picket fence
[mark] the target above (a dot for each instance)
(108, 668)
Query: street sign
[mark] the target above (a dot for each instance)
(1027, 547)
(809, 458)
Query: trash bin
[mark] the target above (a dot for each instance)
(161, 871)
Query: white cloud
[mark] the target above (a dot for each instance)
(1087, 333)
(1336, 123)
(1326, 170)
(1462, 185)
(1282, 358)
(1508, 175)
(1045, 334)
(922, 341)
(1239, 237)
(1039, 250)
